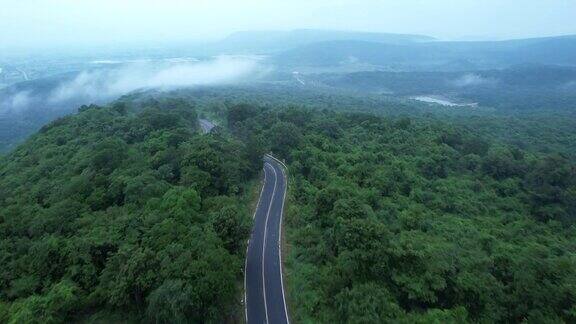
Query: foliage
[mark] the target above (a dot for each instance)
(419, 221)
(127, 214)
(127, 210)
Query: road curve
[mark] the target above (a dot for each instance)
(206, 125)
(265, 299)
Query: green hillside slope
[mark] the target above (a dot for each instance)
(413, 221)
(114, 214)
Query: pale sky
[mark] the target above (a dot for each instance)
(47, 23)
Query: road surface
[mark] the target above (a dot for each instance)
(265, 299)
(206, 125)
(298, 78)
(24, 74)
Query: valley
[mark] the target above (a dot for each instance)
(168, 167)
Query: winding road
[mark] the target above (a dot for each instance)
(265, 299)
(206, 125)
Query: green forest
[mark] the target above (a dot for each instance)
(128, 213)
(414, 221)
(124, 214)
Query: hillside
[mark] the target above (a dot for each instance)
(269, 41)
(419, 221)
(27, 106)
(518, 88)
(432, 56)
(126, 214)
(288, 162)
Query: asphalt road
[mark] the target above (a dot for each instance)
(206, 125)
(265, 299)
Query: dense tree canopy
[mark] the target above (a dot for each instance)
(126, 212)
(399, 220)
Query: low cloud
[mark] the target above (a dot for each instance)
(20, 99)
(110, 82)
(570, 85)
(16, 102)
(471, 80)
(106, 84)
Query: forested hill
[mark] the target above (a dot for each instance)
(431, 56)
(127, 213)
(121, 215)
(413, 221)
(270, 41)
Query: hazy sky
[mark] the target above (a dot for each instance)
(44, 23)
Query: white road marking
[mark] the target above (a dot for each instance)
(280, 245)
(265, 235)
(275, 159)
(248, 245)
(283, 170)
(280, 233)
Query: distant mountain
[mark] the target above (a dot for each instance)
(267, 41)
(521, 88)
(521, 76)
(27, 106)
(431, 56)
(334, 53)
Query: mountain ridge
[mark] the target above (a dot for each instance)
(434, 56)
(278, 40)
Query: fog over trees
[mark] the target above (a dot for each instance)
(429, 149)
